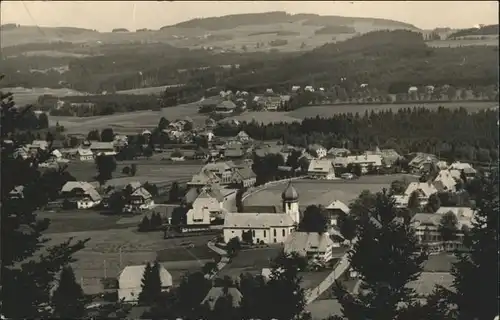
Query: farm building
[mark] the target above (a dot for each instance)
(336, 209)
(140, 198)
(130, 280)
(225, 107)
(80, 194)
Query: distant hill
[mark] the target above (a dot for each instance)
(482, 31)
(238, 20)
(389, 61)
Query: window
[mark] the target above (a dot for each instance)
(265, 234)
(283, 232)
(275, 232)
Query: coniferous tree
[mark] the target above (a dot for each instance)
(386, 257)
(476, 273)
(151, 285)
(26, 282)
(68, 299)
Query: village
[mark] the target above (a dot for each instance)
(208, 199)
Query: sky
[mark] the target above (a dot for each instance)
(107, 15)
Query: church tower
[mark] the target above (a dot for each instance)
(290, 198)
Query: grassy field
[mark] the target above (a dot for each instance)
(250, 261)
(153, 173)
(24, 96)
(128, 123)
(323, 191)
(489, 41)
(330, 110)
(109, 251)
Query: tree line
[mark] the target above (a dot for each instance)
(450, 133)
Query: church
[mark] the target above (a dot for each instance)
(265, 224)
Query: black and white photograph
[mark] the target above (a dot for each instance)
(249, 160)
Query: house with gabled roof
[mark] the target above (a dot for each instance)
(445, 182)
(81, 194)
(335, 210)
(203, 178)
(106, 148)
(338, 152)
(244, 177)
(130, 282)
(139, 199)
(317, 150)
(84, 154)
(312, 245)
(225, 107)
(321, 169)
(242, 136)
(423, 189)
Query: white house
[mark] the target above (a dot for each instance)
(204, 209)
(321, 169)
(364, 161)
(311, 244)
(317, 150)
(242, 136)
(445, 181)
(335, 210)
(130, 281)
(140, 198)
(424, 190)
(84, 154)
(266, 227)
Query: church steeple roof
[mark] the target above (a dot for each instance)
(290, 194)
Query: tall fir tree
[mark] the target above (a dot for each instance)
(151, 284)
(386, 257)
(29, 266)
(475, 273)
(68, 300)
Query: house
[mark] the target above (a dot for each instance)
(244, 177)
(311, 245)
(22, 152)
(207, 134)
(221, 170)
(426, 226)
(459, 212)
(295, 88)
(336, 209)
(81, 193)
(265, 227)
(317, 150)
(466, 168)
(17, 193)
(321, 169)
(234, 151)
(309, 88)
(106, 148)
(243, 137)
(140, 198)
(205, 208)
(389, 156)
(84, 154)
(422, 162)
(365, 161)
(272, 103)
(217, 292)
(225, 107)
(130, 282)
(338, 152)
(445, 182)
(423, 189)
(401, 201)
(38, 145)
(203, 178)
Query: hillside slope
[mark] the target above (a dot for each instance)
(489, 30)
(225, 31)
(390, 61)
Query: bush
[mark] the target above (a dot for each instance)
(126, 170)
(145, 225)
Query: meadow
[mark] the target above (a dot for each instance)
(324, 192)
(330, 110)
(156, 172)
